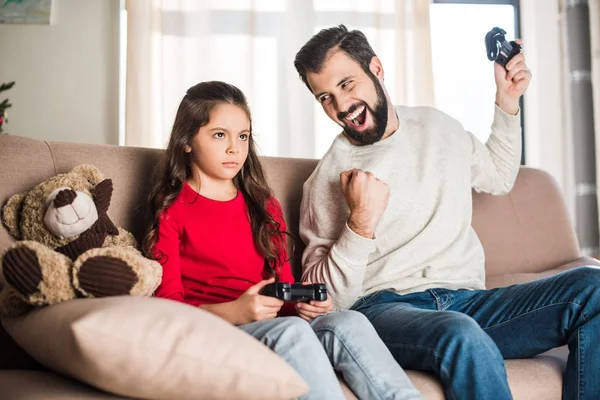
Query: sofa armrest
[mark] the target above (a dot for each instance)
(18, 384)
(514, 278)
(12, 356)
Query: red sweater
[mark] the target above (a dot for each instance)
(207, 250)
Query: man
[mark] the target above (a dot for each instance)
(386, 218)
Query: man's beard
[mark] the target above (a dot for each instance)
(380, 118)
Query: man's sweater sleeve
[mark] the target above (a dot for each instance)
(338, 263)
(495, 165)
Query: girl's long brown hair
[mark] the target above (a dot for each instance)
(175, 168)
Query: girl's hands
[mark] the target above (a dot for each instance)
(253, 306)
(310, 311)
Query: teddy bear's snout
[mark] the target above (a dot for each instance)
(64, 198)
(69, 213)
(78, 210)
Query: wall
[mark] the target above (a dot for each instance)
(66, 73)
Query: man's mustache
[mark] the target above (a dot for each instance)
(343, 114)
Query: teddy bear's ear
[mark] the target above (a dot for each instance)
(102, 193)
(11, 214)
(89, 172)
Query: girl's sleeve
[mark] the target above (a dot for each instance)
(166, 252)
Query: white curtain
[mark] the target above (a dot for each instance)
(595, 53)
(579, 42)
(595, 39)
(174, 44)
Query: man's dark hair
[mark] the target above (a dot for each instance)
(313, 54)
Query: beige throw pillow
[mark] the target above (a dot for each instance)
(153, 349)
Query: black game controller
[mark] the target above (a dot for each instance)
(279, 290)
(296, 291)
(498, 48)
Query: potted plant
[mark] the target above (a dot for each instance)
(5, 104)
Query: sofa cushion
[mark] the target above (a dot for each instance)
(153, 348)
(528, 230)
(24, 163)
(524, 277)
(533, 378)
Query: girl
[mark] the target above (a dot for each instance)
(218, 232)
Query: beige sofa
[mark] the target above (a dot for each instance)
(526, 235)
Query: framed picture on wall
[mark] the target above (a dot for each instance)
(26, 12)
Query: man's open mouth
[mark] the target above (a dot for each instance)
(358, 117)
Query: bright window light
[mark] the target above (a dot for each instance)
(464, 83)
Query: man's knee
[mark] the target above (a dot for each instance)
(583, 284)
(453, 322)
(585, 275)
(459, 329)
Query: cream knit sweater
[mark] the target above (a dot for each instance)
(424, 239)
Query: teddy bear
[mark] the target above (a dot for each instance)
(67, 247)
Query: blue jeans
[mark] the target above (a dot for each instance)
(463, 336)
(345, 340)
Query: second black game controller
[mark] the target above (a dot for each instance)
(498, 48)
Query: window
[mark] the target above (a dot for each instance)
(463, 76)
(252, 43)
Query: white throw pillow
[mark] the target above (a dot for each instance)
(153, 349)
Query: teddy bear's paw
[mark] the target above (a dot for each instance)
(104, 275)
(22, 271)
(150, 276)
(11, 303)
(40, 275)
(123, 239)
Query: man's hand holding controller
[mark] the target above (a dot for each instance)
(510, 70)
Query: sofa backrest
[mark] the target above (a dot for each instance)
(526, 231)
